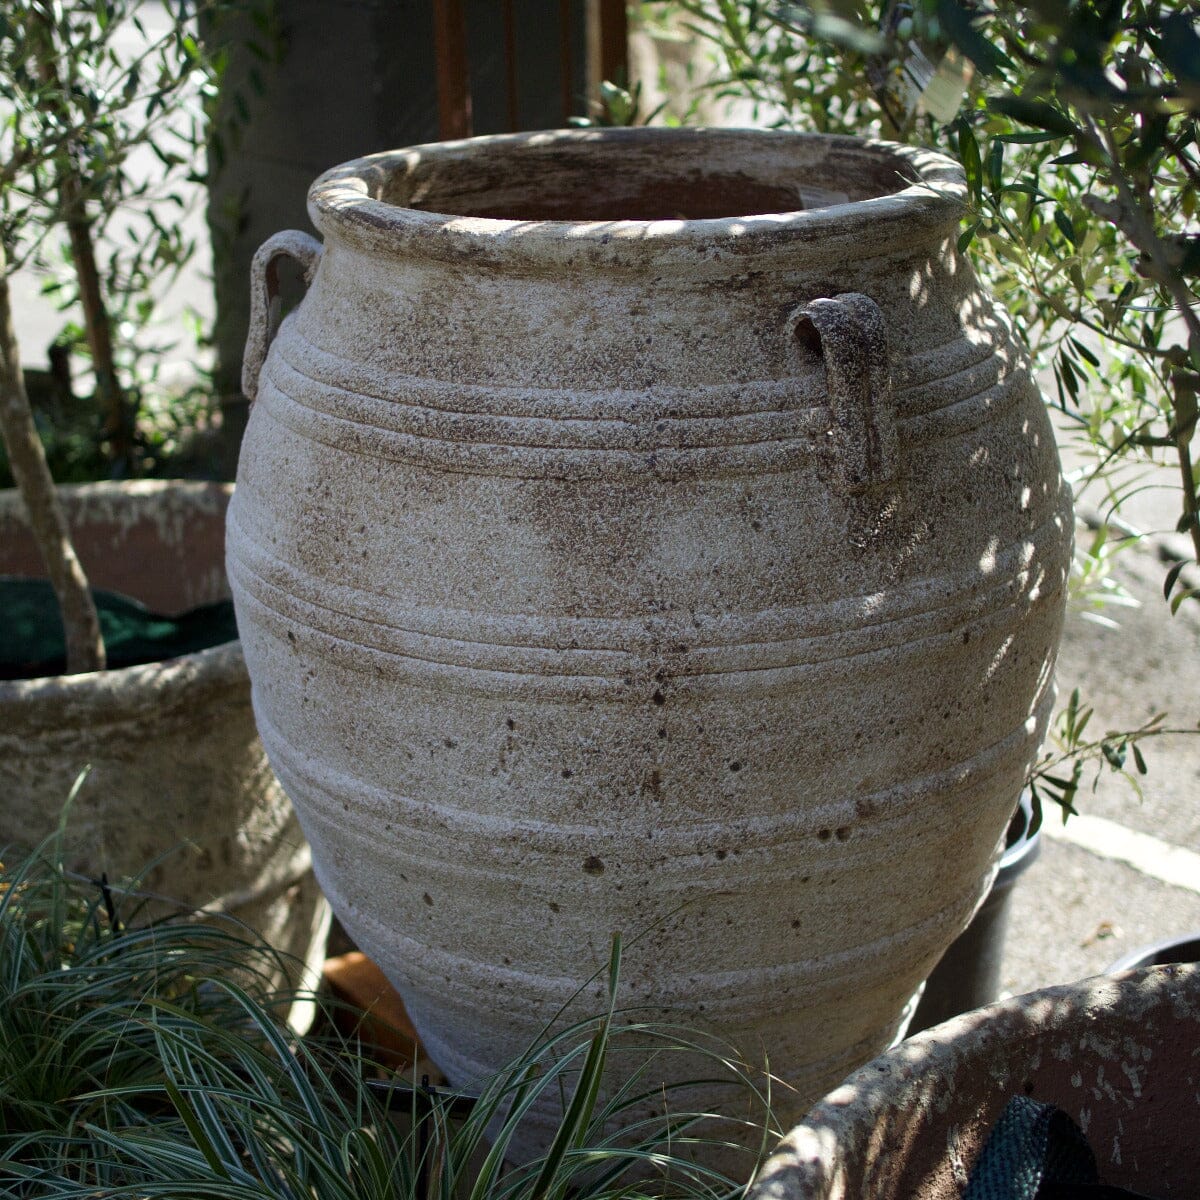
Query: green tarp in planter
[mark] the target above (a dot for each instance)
(31, 632)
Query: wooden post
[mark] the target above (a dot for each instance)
(453, 70)
(608, 44)
(564, 54)
(511, 90)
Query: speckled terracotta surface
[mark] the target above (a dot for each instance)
(177, 770)
(1120, 1055)
(630, 549)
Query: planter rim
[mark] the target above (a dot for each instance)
(28, 703)
(33, 703)
(846, 1117)
(1024, 852)
(1137, 958)
(343, 202)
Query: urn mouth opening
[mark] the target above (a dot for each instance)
(581, 180)
(594, 185)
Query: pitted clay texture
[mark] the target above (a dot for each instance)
(610, 555)
(1117, 1054)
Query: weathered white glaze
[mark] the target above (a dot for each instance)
(178, 776)
(1121, 1056)
(618, 547)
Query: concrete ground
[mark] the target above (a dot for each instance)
(1127, 872)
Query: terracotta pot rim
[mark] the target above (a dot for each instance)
(344, 200)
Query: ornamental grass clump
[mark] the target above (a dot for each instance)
(89, 998)
(149, 1060)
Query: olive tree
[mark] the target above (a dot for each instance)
(74, 105)
(1076, 126)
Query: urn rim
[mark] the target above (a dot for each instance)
(348, 201)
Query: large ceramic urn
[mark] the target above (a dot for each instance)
(654, 531)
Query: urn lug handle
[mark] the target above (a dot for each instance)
(849, 333)
(264, 297)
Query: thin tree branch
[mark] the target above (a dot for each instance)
(1139, 228)
(27, 460)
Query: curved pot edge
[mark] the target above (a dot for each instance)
(1182, 949)
(809, 1162)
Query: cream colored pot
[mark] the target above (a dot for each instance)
(1119, 1056)
(623, 541)
(178, 779)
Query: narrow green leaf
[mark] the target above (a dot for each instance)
(1180, 596)
(1085, 156)
(1058, 384)
(194, 1128)
(1067, 785)
(587, 1089)
(968, 151)
(1084, 352)
(1072, 710)
(996, 166)
(1138, 760)
(1083, 722)
(1028, 139)
(1114, 755)
(614, 968)
(1037, 113)
(958, 22)
(848, 34)
(1027, 189)
(1171, 579)
(1035, 820)
(1069, 378)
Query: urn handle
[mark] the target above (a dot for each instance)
(264, 297)
(848, 332)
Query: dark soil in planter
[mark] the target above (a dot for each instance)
(31, 632)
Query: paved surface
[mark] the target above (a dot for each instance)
(1078, 909)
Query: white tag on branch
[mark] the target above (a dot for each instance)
(915, 75)
(899, 84)
(944, 93)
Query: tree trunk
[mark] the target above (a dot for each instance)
(27, 459)
(73, 203)
(111, 395)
